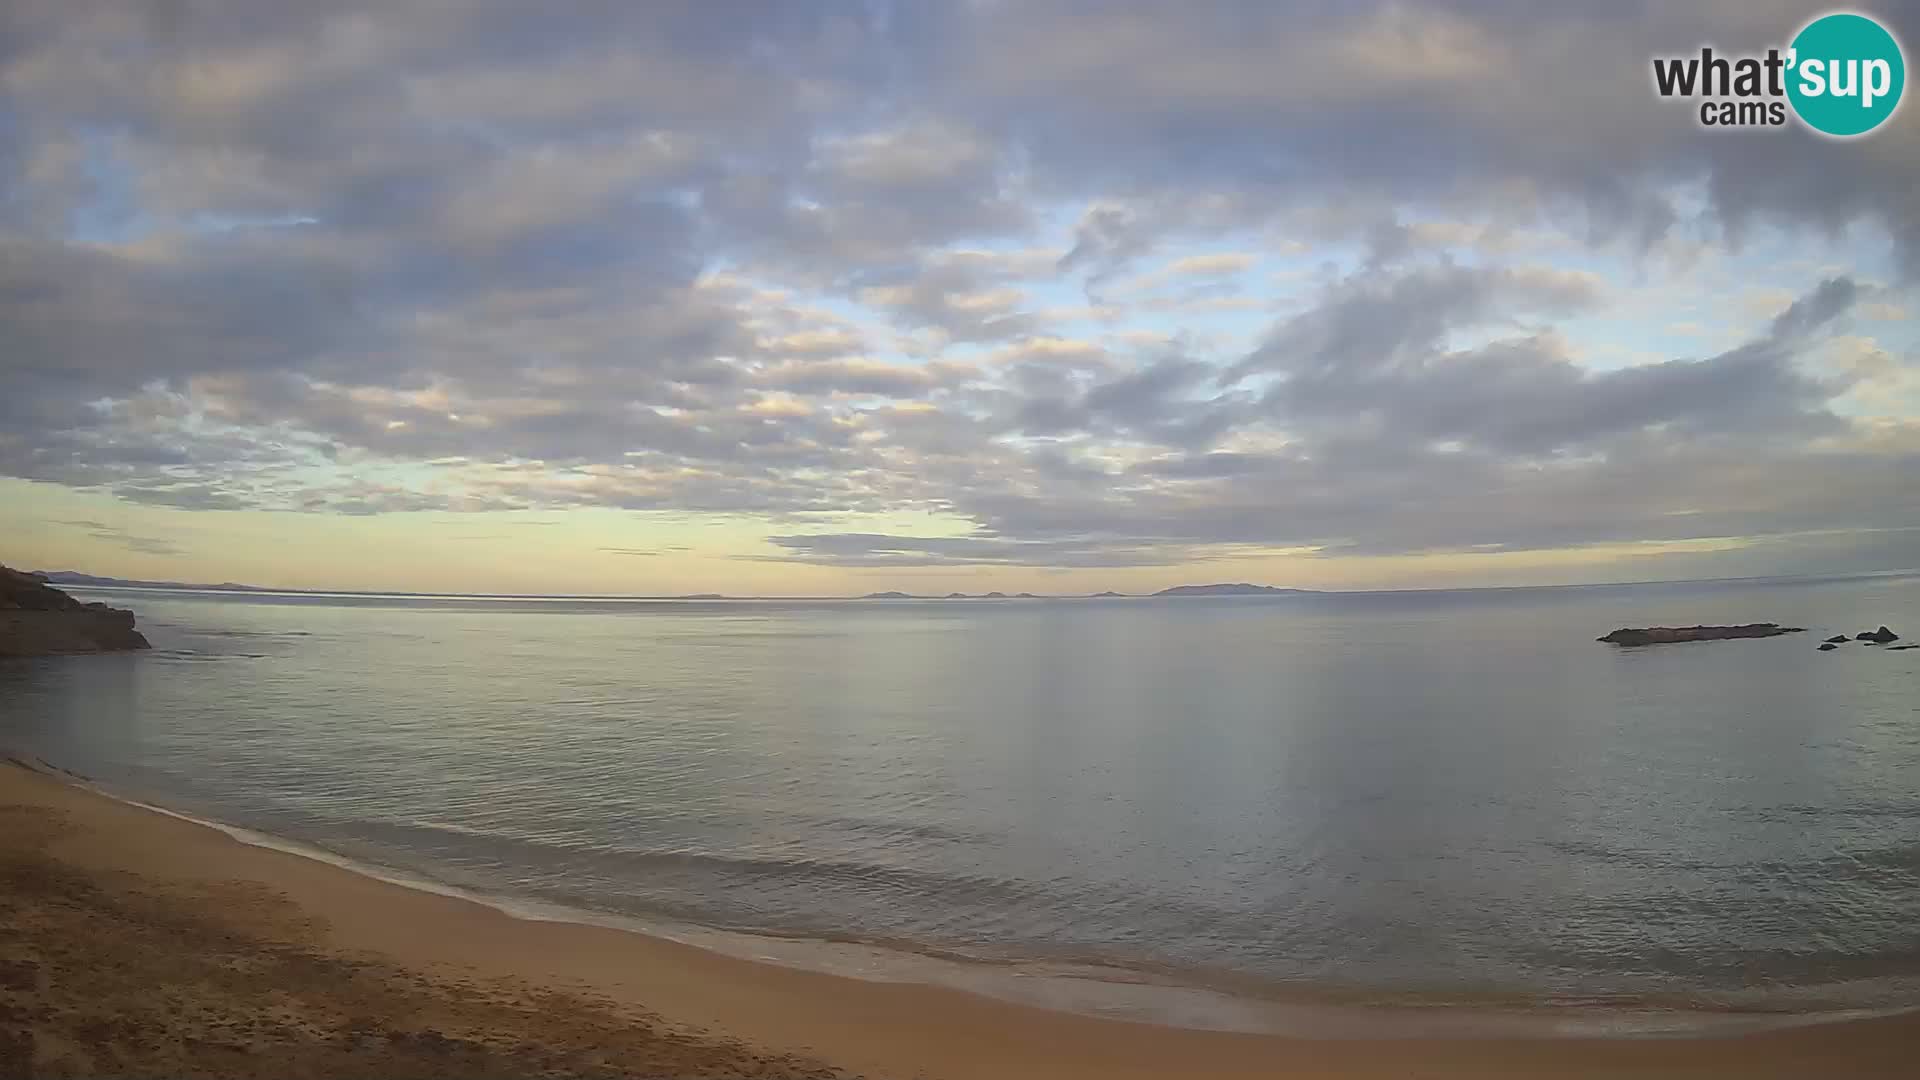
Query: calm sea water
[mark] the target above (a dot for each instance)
(1388, 797)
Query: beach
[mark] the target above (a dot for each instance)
(140, 943)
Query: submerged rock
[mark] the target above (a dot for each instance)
(37, 619)
(1828, 646)
(1838, 639)
(1666, 635)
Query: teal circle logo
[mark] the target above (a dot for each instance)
(1846, 74)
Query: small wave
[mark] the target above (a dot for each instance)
(887, 828)
(44, 767)
(719, 872)
(1115, 992)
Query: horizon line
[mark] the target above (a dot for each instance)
(879, 595)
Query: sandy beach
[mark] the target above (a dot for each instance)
(139, 944)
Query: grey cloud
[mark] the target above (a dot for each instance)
(1493, 109)
(183, 496)
(1372, 318)
(1828, 302)
(1194, 466)
(553, 245)
(1679, 450)
(852, 377)
(1374, 355)
(145, 545)
(872, 549)
(967, 301)
(149, 546)
(1651, 492)
(1157, 402)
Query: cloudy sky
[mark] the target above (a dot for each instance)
(822, 298)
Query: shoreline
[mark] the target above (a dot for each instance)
(878, 1028)
(1162, 998)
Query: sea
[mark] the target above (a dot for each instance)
(1322, 813)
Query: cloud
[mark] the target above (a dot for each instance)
(876, 550)
(1373, 355)
(1508, 114)
(959, 297)
(1388, 443)
(991, 262)
(856, 376)
(183, 496)
(1224, 262)
(143, 545)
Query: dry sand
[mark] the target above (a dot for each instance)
(137, 944)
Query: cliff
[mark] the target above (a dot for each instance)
(37, 619)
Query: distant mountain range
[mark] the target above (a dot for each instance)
(1241, 588)
(75, 577)
(1235, 588)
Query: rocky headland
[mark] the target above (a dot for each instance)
(37, 619)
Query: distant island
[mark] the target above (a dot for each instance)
(75, 577)
(1220, 589)
(1238, 588)
(95, 581)
(950, 596)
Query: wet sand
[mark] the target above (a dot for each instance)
(133, 943)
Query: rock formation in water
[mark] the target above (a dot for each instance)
(37, 619)
(1828, 646)
(1882, 636)
(1665, 635)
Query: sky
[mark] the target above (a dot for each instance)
(787, 298)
